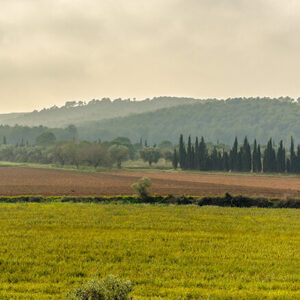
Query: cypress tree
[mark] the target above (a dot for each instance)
(220, 161)
(182, 153)
(259, 165)
(214, 159)
(246, 156)
(281, 158)
(234, 156)
(4, 140)
(189, 154)
(196, 158)
(175, 160)
(269, 161)
(254, 158)
(288, 165)
(192, 158)
(225, 159)
(297, 167)
(292, 156)
(203, 155)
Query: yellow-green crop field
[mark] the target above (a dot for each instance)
(171, 252)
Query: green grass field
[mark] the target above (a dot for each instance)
(167, 251)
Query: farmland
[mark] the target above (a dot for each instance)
(30, 181)
(167, 251)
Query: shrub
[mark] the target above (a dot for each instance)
(141, 187)
(110, 288)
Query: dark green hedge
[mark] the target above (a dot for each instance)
(227, 200)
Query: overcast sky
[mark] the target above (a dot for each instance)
(52, 51)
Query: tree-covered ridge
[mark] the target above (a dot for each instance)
(77, 112)
(216, 120)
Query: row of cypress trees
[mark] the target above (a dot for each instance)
(195, 156)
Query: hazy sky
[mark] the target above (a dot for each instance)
(52, 51)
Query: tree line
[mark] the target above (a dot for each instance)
(243, 158)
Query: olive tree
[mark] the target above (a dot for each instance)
(118, 154)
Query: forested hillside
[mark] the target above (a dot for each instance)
(215, 120)
(76, 112)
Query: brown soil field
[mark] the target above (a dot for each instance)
(30, 181)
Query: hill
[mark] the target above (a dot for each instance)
(74, 112)
(216, 120)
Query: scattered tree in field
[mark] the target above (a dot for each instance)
(150, 155)
(96, 155)
(142, 186)
(119, 153)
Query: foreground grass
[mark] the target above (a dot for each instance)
(167, 251)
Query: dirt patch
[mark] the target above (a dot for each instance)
(28, 181)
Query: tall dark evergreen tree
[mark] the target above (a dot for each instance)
(259, 165)
(203, 155)
(246, 156)
(292, 156)
(196, 158)
(269, 160)
(189, 162)
(254, 157)
(297, 166)
(281, 164)
(225, 159)
(182, 153)
(4, 140)
(234, 162)
(175, 160)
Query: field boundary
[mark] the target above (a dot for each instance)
(224, 201)
(84, 169)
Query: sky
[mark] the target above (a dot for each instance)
(53, 51)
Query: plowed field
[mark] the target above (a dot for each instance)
(29, 181)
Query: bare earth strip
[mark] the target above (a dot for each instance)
(29, 181)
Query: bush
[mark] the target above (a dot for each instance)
(141, 187)
(110, 288)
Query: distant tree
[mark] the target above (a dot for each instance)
(182, 153)
(150, 155)
(167, 155)
(72, 131)
(246, 162)
(269, 160)
(189, 154)
(96, 155)
(203, 155)
(281, 160)
(225, 161)
(4, 140)
(292, 156)
(175, 159)
(255, 157)
(233, 158)
(259, 164)
(165, 145)
(47, 138)
(119, 153)
(196, 158)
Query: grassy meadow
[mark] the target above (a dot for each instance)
(168, 252)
